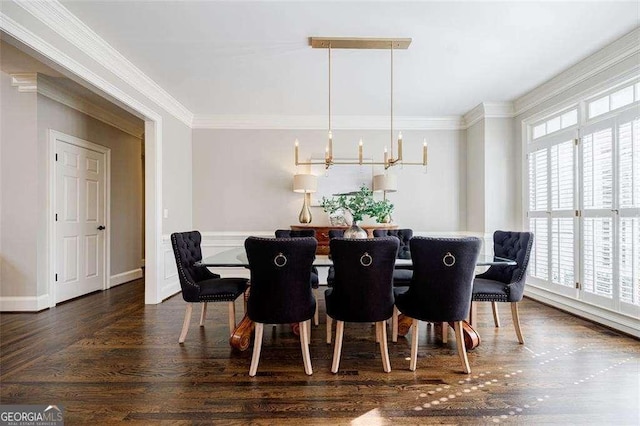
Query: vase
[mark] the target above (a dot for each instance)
(355, 232)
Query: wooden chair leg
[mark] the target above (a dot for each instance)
(377, 332)
(203, 314)
(316, 316)
(185, 324)
(472, 313)
(462, 351)
(394, 325)
(305, 327)
(232, 317)
(329, 324)
(257, 346)
(384, 350)
(496, 318)
(414, 345)
(516, 321)
(337, 350)
(445, 332)
(308, 324)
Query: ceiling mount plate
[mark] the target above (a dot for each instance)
(358, 43)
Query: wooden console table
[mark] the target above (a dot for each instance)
(322, 233)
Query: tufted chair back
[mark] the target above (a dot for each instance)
(362, 290)
(288, 233)
(187, 251)
(443, 269)
(515, 246)
(336, 233)
(280, 279)
(404, 235)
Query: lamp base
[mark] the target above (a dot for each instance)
(305, 213)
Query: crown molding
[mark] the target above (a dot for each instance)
(26, 82)
(27, 37)
(58, 18)
(47, 87)
(619, 50)
(488, 110)
(319, 122)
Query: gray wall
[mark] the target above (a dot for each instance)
(242, 179)
(18, 190)
(501, 180)
(26, 120)
(475, 178)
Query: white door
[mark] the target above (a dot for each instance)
(80, 206)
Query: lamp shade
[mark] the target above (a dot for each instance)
(386, 183)
(305, 183)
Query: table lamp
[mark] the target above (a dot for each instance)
(306, 184)
(385, 183)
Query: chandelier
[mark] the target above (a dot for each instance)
(390, 159)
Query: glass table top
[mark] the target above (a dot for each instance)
(237, 257)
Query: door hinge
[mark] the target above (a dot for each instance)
(56, 156)
(56, 217)
(578, 286)
(56, 277)
(576, 141)
(578, 213)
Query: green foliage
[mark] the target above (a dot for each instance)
(381, 210)
(360, 203)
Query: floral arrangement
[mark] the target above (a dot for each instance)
(359, 204)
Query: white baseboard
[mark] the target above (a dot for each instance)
(24, 303)
(125, 277)
(623, 323)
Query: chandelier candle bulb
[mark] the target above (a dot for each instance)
(400, 146)
(424, 153)
(330, 145)
(386, 156)
(296, 151)
(360, 151)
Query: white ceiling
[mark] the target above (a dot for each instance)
(253, 58)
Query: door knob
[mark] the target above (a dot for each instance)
(101, 227)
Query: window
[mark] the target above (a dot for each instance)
(583, 201)
(612, 101)
(559, 122)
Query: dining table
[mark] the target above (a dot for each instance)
(237, 258)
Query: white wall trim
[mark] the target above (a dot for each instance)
(605, 58)
(60, 20)
(47, 87)
(615, 320)
(153, 148)
(488, 110)
(319, 122)
(26, 82)
(125, 277)
(24, 303)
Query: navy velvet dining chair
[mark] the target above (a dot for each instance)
(502, 283)
(440, 290)
(280, 289)
(362, 290)
(198, 284)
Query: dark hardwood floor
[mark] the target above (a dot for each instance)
(108, 358)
